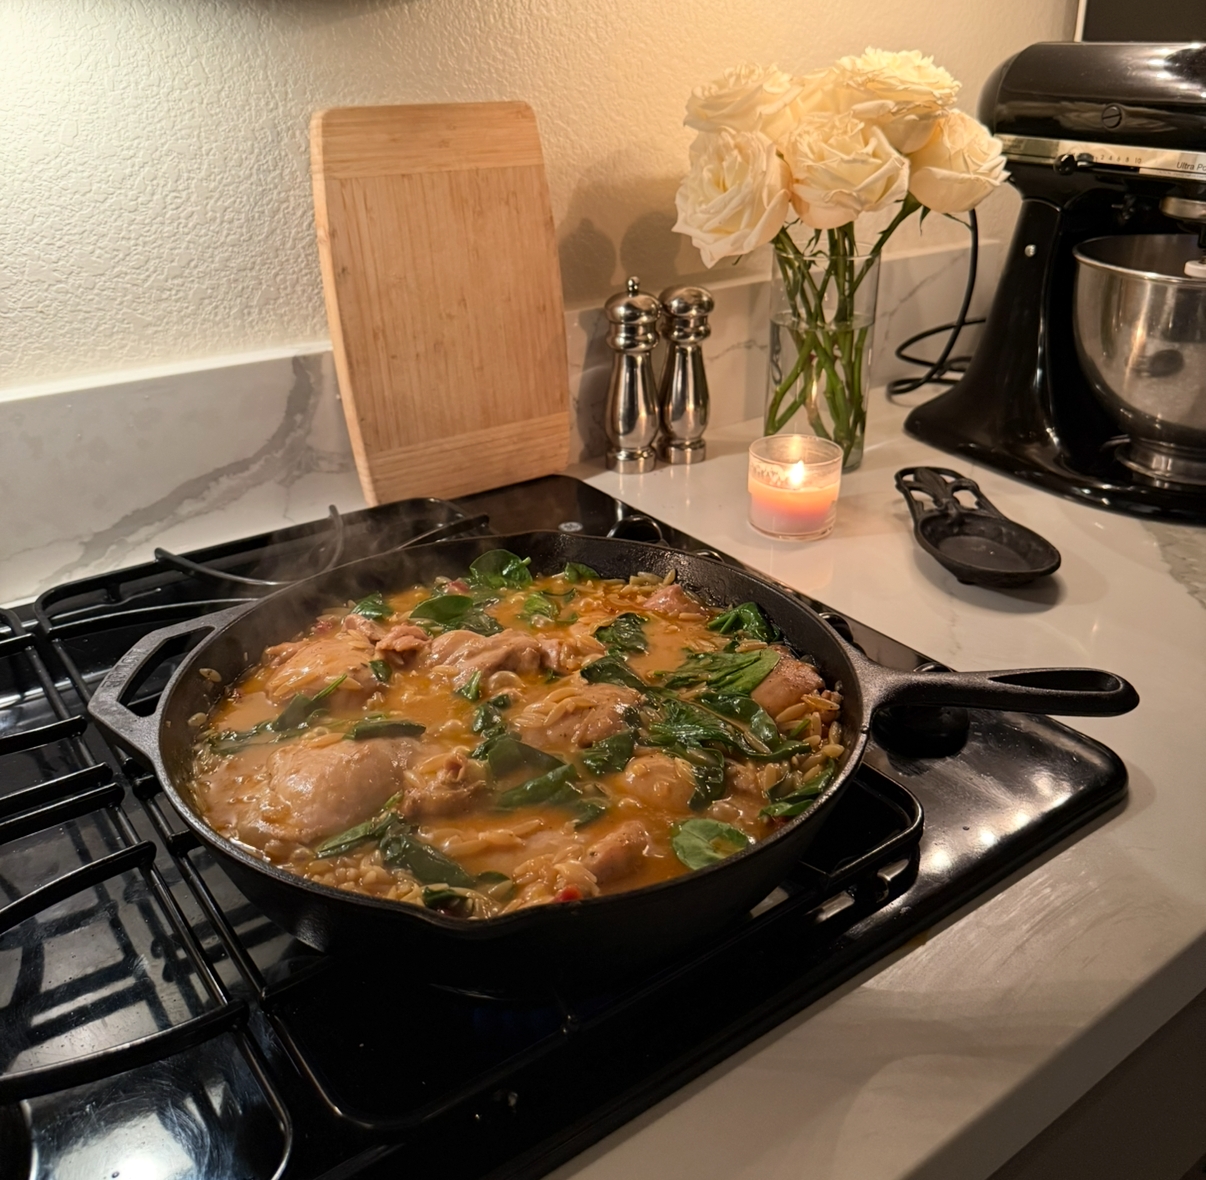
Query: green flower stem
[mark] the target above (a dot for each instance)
(829, 369)
(775, 422)
(830, 360)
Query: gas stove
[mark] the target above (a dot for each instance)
(158, 1026)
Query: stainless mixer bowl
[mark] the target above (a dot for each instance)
(1140, 327)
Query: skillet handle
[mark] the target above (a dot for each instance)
(134, 731)
(1070, 692)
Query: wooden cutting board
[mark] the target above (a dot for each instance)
(443, 294)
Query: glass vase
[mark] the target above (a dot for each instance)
(822, 321)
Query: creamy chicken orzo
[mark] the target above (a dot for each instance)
(501, 740)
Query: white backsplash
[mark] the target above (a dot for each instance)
(94, 477)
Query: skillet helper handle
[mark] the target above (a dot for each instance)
(134, 731)
(1069, 692)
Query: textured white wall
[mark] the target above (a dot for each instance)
(154, 160)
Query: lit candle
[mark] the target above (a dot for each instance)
(794, 481)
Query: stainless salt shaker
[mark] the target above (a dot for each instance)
(632, 421)
(683, 398)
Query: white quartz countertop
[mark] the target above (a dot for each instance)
(949, 1056)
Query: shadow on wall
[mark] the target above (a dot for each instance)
(589, 407)
(588, 260)
(640, 217)
(650, 249)
(612, 231)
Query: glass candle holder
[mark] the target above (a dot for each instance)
(793, 482)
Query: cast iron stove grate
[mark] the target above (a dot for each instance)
(140, 987)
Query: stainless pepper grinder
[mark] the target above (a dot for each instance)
(683, 398)
(632, 421)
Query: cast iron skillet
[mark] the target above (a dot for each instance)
(581, 940)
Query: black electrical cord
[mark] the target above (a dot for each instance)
(936, 371)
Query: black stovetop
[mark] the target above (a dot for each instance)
(155, 1020)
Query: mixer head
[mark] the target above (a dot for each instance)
(1128, 118)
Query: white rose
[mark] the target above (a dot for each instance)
(745, 98)
(904, 93)
(958, 167)
(824, 92)
(735, 196)
(841, 168)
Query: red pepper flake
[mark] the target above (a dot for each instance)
(569, 893)
(324, 627)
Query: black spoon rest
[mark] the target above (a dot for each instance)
(978, 545)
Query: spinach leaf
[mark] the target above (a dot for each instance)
(381, 670)
(702, 842)
(728, 672)
(498, 885)
(613, 670)
(555, 787)
(301, 706)
(456, 612)
(371, 829)
(683, 724)
(800, 798)
(497, 568)
(588, 811)
(502, 701)
(447, 901)
(611, 754)
(487, 722)
(742, 708)
(745, 680)
(748, 620)
(444, 609)
(472, 688)
(679, 722)
(383, 727)
(707, 768)
(231, 741)
(482, 750)
(402, 849)
(539, 606)
(625, 633)
(507, 755)
(575, 572)
(373, 607)
(681, 729)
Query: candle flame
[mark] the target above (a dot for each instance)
(795, 474)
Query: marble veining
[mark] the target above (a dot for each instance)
(134, 465)
(1183, 548)
(276, 456)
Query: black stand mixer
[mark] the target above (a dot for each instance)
(1103, 140)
